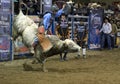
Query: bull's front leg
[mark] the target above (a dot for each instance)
(84, 53)
(79, 53)
(61, 58)
(64, 57)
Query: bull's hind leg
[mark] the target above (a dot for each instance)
(79, 53)
(42, 61)
(43, 66)
(40, 57)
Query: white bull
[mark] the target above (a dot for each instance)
(59, 46)
(25, 27)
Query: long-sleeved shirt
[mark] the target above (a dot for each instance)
(106, 28)
(114, 28)
(47, 17)
(46, 20)
(58, 14)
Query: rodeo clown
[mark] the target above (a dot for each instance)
(48, 18)
(81, 36)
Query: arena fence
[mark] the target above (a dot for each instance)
(6, 30)
(72, 22)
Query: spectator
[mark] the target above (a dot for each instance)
(63, 31)
(81, 35)
(118, 24)
(24, 8)
(113, 33)
(30, 8)
(36, 7)
(106, 32)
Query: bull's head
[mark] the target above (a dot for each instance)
(72, 46)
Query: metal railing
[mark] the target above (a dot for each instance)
(73, 22)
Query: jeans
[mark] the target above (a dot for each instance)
(113, 41)
(106, 37)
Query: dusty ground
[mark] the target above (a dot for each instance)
(100, 67)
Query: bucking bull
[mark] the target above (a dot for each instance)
(26, 27)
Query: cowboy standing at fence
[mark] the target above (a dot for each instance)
(81, 34)
(106, 34)
(63, 32)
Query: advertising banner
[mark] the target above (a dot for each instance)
(19, 48)
(5, 30)
(47, 5)
(6, 5)
(95, 24)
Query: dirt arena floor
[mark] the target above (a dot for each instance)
(100, 67)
